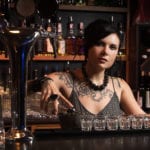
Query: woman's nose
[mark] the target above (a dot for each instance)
(105, 49)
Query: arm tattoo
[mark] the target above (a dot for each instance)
(66, 79)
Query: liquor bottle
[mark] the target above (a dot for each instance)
(91, 2)
(61, 46)
(121, 3)
(112, 20)
(67, 67)
(147, 93)
(141, 92)
(80, 2)
(80, 39)
(4, 6)
(122, 35)
(71, 2)
(70, 38)
(48, 46)
(35, 74)
(39, 45)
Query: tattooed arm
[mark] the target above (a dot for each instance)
(60, 82)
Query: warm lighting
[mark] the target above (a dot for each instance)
(17, 135)
(14, 31)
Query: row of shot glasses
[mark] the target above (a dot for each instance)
(113, 123)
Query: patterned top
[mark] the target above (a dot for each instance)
(111, 109)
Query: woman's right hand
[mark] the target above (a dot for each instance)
(50, 92)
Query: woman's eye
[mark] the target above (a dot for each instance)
(113, 47)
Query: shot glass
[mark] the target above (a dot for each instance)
(146, 122)
(112, 123)
(137, 122)
(86, 122)
(2, 135)
(99, 123)
(124, 122)
(6, 104)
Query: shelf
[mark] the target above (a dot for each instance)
(69, 58)
(3, 57)
(93, 8)
(61, 58)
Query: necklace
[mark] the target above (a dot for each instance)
(94, 86)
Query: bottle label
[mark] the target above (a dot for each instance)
(48, 46)
(59, 30)
(61, 47)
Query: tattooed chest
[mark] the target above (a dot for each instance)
(83, 90)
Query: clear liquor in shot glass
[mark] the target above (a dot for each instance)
(2, 135)
(137, 122)
(112, 123)
(124, 122)
(99, 123)
(146, 122)
(86, 122)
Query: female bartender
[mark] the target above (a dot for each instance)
(90, 89)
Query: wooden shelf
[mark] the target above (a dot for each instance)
(69, 58)
(59, 58)
(3, 58)
(93, 8)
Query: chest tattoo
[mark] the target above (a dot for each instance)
(83, 89)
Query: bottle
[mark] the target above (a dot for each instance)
(4, 6)
(141, 91)
(122, 35)
(2, 134)
(67, 66)
(70, 38)
(112, 20)
(71, 2)
(48, 46)
(120, 3)
(147, 93)
(35, 74)
(80, 39)
(61, 45)
(80, 2)
(39, 45)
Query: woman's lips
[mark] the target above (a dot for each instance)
(102, 60)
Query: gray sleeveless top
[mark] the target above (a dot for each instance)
(111, 109)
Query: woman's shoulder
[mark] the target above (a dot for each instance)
(118, 80)
(59, 74)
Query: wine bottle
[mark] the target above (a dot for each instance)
(39, 45)
(141, 92)
(35, 74)
(70, 38)
(122, 35)
(147, 92)
(48, 47)
(80, 39)
(61, 46)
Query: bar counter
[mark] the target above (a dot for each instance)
(72, 140)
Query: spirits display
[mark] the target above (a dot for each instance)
(61, 48)
(80, 39)
(70, 38)
(48, 46)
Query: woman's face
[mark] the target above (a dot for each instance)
(103, 54)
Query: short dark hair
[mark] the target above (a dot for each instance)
(98, 30)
